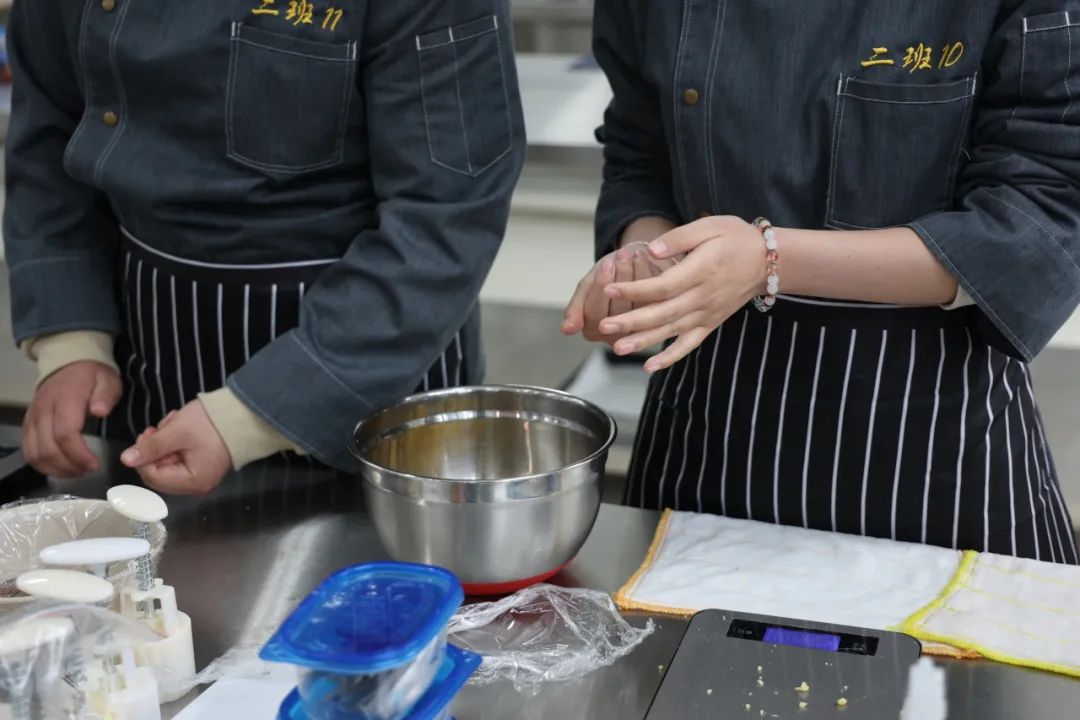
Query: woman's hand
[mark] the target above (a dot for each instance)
(590, 305)
(723, 269)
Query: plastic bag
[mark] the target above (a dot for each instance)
(49, 652)
(544, 633)
(27, 527)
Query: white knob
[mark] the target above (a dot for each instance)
(65, 585)
(136, 503)
(29, 634)
(95, 551)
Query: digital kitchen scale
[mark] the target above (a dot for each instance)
(737, 665)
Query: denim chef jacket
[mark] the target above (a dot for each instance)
(959, 119)
(387, 134)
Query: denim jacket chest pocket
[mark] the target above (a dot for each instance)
(895, 150)
(287, 100)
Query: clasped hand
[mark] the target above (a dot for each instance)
(683, 285)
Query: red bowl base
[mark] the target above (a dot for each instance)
(506, 588)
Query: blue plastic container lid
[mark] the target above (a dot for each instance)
(456, 669)
(367, 619)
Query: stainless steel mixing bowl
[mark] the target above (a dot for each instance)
(499, 484)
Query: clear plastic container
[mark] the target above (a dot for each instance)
(370, 641)
(457, 666)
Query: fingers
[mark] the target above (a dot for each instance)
(574, 317)
(685, 238)
(671, 283)
(596, 302)
(624, 272)
(68, 419)
(174, 478)
(51, 460)
(679, 349)
(649, 338)
(153, 447)
(106, 393)
(651, 316)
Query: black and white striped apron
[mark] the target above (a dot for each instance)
(190, 324)
(898, 423)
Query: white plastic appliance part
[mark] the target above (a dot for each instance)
(138, 504)
(95, 553)
(65, 585)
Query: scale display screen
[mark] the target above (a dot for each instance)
(802, 638)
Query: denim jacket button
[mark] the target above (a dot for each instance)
(691, 96)
(110, 118)
(108, 5)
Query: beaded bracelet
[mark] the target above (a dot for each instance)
(765, 302)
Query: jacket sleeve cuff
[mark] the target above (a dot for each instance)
(312, 413)
(1029, 267)
(52, 352)
(246, 435)
(54, 295)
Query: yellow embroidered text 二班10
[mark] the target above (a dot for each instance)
(917, 57)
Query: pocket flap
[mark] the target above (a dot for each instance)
(457, 33)
(1051, 21)
(343, 52)
(908, 94)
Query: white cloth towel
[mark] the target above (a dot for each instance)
(1009, 609)
(708, 561)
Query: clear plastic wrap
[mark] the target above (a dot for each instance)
(544, 634)
(381, 696)
(29, 526)
(49, 653)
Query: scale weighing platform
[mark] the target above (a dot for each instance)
(738, 665)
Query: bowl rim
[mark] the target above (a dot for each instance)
(613, 432)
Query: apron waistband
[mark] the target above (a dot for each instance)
(225, 273)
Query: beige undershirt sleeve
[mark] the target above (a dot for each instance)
(246, 435)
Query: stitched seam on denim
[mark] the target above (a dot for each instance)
(473, 173)
(230, 82)
(1023, 69)
(346, 102)
(455, 39)
(326, 370)
(272, 48)
(114, 38)
(983, 305)
(80, 50)
(958, 145)
(944, 101)
(675, 117)
(1068, 69)
(710, 159)
(1042, 227)
(423, 102)
(461, 107)
(506, 97)
(838, 118)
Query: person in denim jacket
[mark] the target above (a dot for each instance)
(858, 361)
(256, 220)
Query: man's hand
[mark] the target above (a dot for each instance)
(184, 455)
(52, 430)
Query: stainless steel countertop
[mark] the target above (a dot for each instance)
(243, 557)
